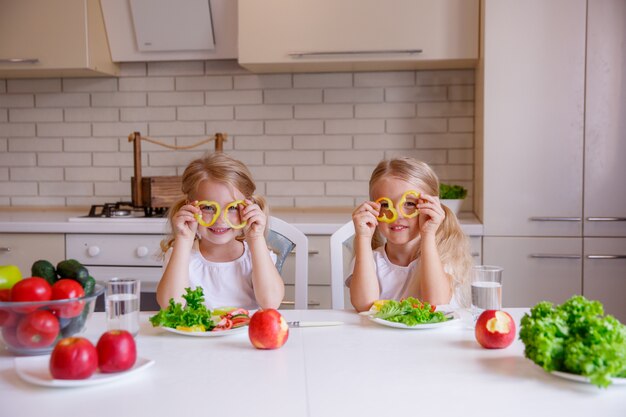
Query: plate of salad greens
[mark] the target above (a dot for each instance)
(195, 319)
(576, 340)
(409, 313)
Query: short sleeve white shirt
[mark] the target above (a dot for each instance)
(225, 284)
(393, 280)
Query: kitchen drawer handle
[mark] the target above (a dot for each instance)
(19, 60)
(555, 219)
(553, 256)
(313, 54)
(5, 249)
(475, 254)
(311, 252)
(606, 256)
(606, 219)
(311, 303)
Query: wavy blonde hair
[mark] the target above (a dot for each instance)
(452, 243)
(218, 167)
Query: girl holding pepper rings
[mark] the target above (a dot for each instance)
(218, 239)
(406, 243)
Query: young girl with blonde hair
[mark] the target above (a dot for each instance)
(406, 243)
(217, 240)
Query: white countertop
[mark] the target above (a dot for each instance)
(70, 221)
(357, 369)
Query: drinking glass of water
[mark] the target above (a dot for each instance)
(486, 289)
(122, 305)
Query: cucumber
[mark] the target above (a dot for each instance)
(45, 270)
(89, 286)
(71, 268)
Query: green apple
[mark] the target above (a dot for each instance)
(9, 275)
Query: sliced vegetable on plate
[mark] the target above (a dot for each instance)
(194, 318)
(408, 313)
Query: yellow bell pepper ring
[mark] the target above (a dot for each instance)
(199, 217)
(403, 200)
(9, 275)
(383, 217)
(227, 220)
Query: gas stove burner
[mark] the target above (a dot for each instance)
(124, 209)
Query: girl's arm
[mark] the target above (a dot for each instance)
(430, 283)
(364, 288)
(268, 285)
(176, 275)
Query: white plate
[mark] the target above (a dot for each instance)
(454, 319)
(36, 371)
(207, 334)
(581, 378)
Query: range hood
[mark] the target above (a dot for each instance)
(171, 30)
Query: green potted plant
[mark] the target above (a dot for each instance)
(452, 195)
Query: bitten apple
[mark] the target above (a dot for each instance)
(268, 329)
(73, 358)
(495, 329)
(117, 351)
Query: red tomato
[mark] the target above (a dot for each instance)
(38, 329)
(73, 358)
(433, 308)
(116, 351)
(9, 334)
(5, 314)
(240, 321)
(224, 324)
(31, 289)
(65, 289)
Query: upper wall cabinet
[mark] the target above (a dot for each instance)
(53, 38)
(171, 30)
(357, 35)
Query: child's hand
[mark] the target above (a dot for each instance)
(256, 218)
(431, 214)
(184, 223)
(364, 218)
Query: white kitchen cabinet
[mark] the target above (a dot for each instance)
(533, 78)
(319, 274)
(348, 35)
(605, 112)
(24, 249)
(536, 269)
(605, 274)
(52, 38)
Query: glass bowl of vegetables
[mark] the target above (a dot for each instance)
(34, 327)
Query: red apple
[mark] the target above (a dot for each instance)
(495, 329)
(268, 329)
(117, 351)
(73, 358)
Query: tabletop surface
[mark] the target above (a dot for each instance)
(359, 368)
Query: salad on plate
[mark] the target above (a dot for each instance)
(194, 317)
(407, 313)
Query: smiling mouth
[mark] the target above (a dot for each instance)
(398, 228)
(219, 230)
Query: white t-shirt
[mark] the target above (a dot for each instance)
(393, 279)
(225, 284)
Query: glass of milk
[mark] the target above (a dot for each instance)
(486, 289)
(121, 305)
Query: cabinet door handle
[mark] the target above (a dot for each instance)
(302, 54)
(555, 219)
(475, 254)
(606, 256)
(19, 60)
(5, 249)
(606, 219)
(553, 256)
(311, 303)
(311, 252)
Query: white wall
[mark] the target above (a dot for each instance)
(309, 139)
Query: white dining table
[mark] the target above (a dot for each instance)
(359, 368)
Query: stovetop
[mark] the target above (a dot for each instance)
(122, 210)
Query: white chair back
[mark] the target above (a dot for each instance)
(337, 241)
(301, 242)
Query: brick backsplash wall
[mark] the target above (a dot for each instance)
(310, 139)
